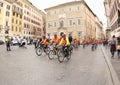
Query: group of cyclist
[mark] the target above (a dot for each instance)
(63, 41)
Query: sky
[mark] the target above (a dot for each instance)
(96, 6)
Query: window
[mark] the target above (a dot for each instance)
(48, 13)
(7, 13)
(48, 25)
(19, 29)
(55, 12)
(20, 16)
(25, 25)
(79, 22)
(61, 23)
(12, 20)
(70, 22)
(1, 4)
(70, 9)
(78, 8)
(54, 24)
(6, 23)
(8, 7)
(0, 10)
(13, 13)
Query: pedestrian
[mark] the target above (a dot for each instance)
(118, 46)
(70, 38)
(35, 42)
(7, 40)
(113, 45)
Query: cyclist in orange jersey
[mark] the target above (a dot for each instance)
(55, 39)
(45, 41)
(76, 42)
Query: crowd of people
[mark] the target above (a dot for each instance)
(62, 40)
(65, 40)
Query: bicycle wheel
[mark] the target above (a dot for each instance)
(60, 56)
(51, 54)
(71, 49)
(47, 50)
(39, 51)
(69, 55)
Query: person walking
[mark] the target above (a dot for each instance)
(113, 45)
(7, 40)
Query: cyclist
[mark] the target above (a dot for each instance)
(60, 37)
(65, 43)
(45, 41)
(84, 43)
(75, 43)
(55, 39)
(93, 44)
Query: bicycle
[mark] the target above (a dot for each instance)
(53, 51)
(41, 48)
(64, 52)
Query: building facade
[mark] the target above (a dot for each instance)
(32, 20)
(16, 19)
(74, 18)
(44, 22)
(5, 17)
(99, 29)
(20, 18)
(112, 8)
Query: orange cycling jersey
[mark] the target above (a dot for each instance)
(59, 40)
(76, 41)
(44, 41)
(56, 40)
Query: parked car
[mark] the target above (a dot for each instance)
(14, 42)
(1, 42)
